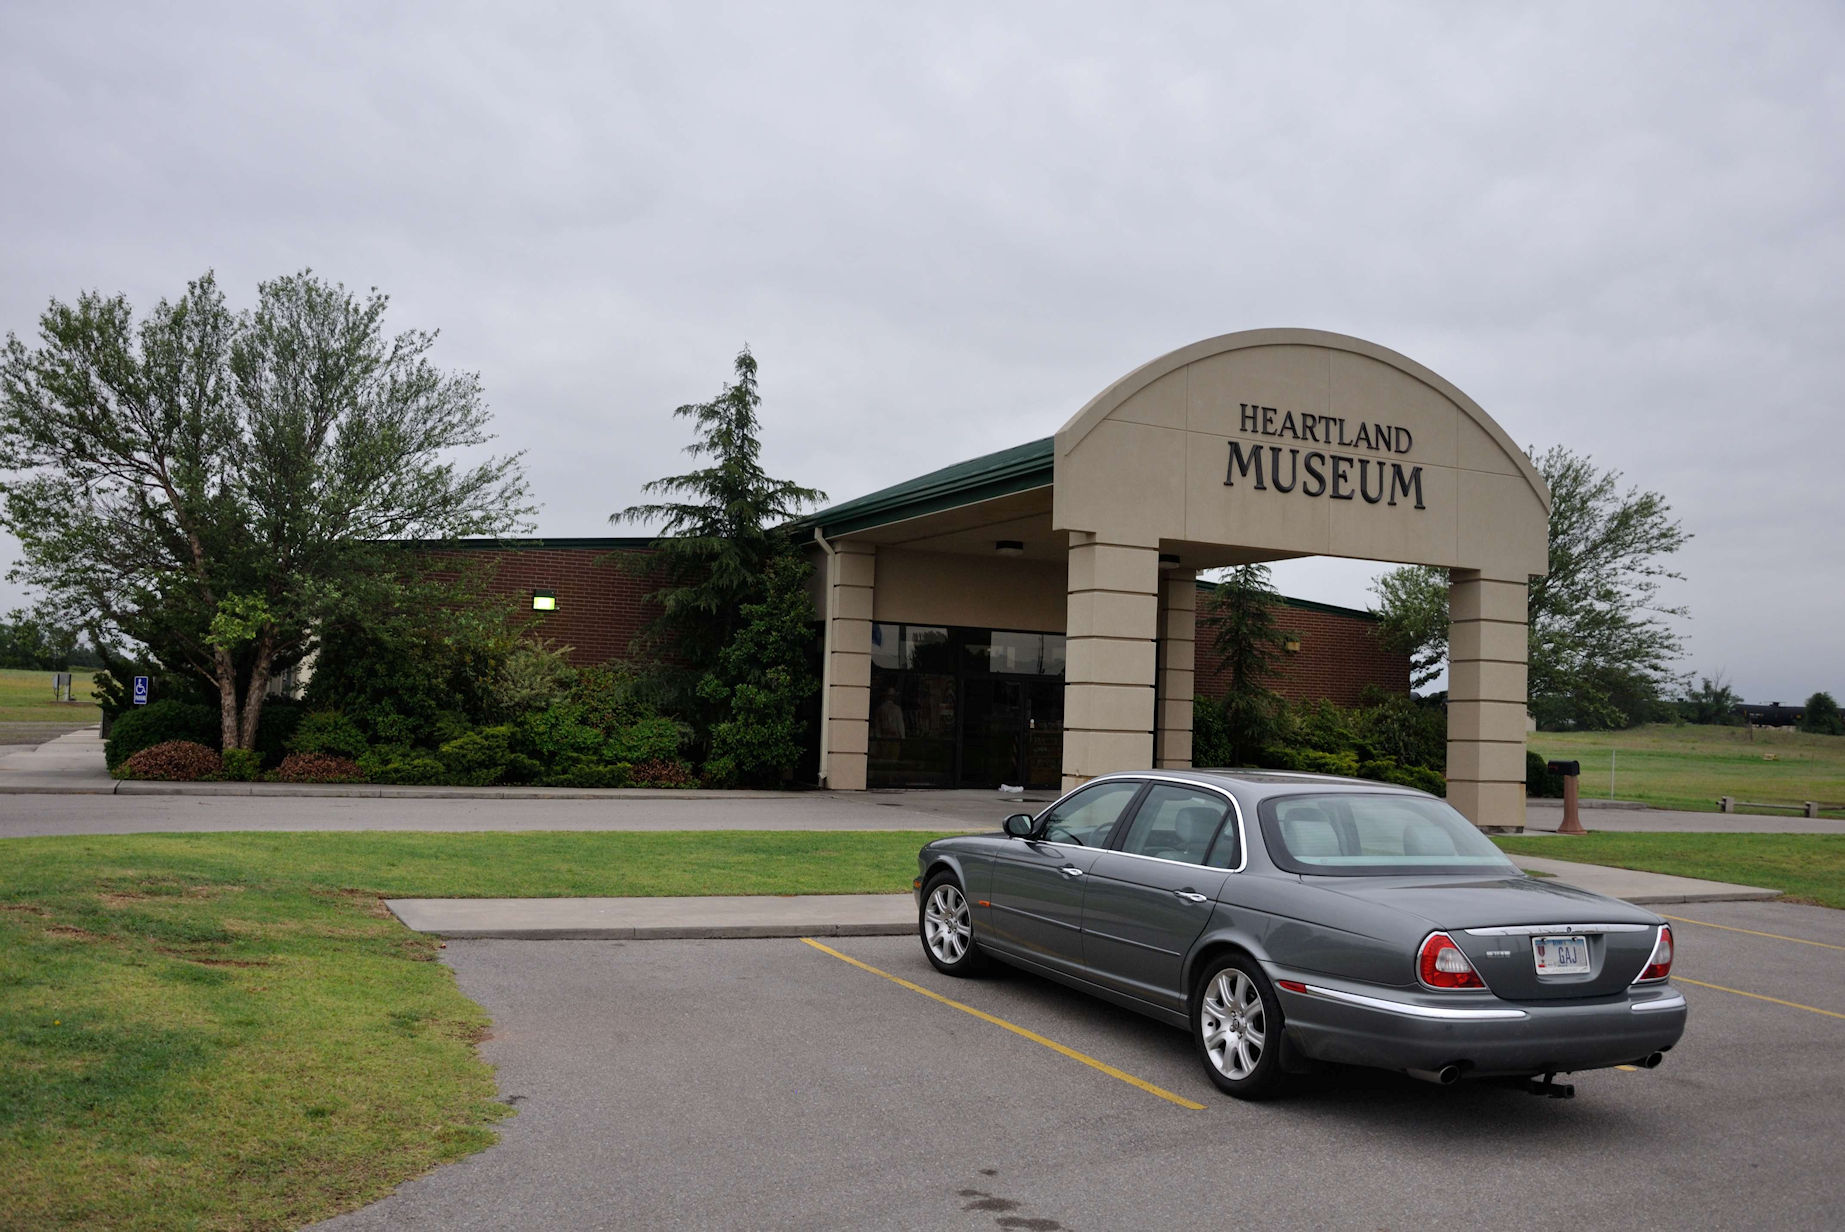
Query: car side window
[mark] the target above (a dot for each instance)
(1086, 817)
(1178, 823)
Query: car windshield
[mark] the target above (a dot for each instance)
(1354, 834)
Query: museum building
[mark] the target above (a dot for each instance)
(1031, 616)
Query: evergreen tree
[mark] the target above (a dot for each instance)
(716, 527)
(760, 681)
(1241, 611)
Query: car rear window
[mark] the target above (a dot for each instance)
(1359, 834)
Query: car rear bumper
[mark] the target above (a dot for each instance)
(1397, 1029)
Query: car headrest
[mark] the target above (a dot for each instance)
(1308, 832)
(1194, 823)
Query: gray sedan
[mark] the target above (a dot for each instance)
(1288, 920)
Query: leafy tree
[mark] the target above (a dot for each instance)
(1822, 716)
(1601, 648)
(28, 640)
(1241, 612)
(716, 535)
(1712, 702)
(760, 681)
(215, 486)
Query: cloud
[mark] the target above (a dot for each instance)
(943, 229)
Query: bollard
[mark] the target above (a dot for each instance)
(1812, 808)
(1726, 804)
(1571, 772)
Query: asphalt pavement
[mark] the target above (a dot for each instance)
(773, 1084)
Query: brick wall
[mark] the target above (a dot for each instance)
(1339, 655)
(599, 609)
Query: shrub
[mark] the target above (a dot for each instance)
(532, 676)
(160, 723)
(276, 727)
(398, 764)
(578, 770)
(183, 761)
(1210, 742)
(316, 768)
(329, 732)
(1383, 770)
(559, 731)
(646, 740)
(477, 759)
(664, 774)
(1539, 781)
(241, 765)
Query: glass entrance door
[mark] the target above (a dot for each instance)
(1011, 731)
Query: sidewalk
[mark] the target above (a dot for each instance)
(864, 915)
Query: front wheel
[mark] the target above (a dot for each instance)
(1236, 1023)
(947, 928)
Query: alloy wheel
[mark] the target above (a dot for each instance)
(1235, 1024)
(946, 925)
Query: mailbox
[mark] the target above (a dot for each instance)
(1568, 769)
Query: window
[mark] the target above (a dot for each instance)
(1178, 823)
(1375, 835)
(1086, 817)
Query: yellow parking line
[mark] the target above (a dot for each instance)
(1033, 1036)
(1731, 928)
(1679, 979)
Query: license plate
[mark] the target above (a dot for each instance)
(1561, 955)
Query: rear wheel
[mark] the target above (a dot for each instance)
(1236, 1023)
(947, 927)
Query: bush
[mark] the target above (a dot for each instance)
(1210, 742)
(1383, 770)
(578, 770)
(161, 723)
(664, 774)
(329, 732)
(276, 727)
(316, 768)
(1539, 781)
(401, 764)
(241, 765)
(183, 761)
(480, 758)
(559, 731)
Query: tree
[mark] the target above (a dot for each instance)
(1712, 702)
(716, 526)
(29, 640)
(1822, 716)
(1241, 611)
(761, 680)
(215, 486)
(1601, 649)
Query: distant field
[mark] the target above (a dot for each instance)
(25, 697)
(1689, 767)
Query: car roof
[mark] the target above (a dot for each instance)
(1264, 783)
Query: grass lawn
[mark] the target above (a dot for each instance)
(1809, 868)
(1689, 767)
(230, 1031)
(25, 696)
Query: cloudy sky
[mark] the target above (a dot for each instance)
(943, 228)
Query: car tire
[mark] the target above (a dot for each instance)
(1236, 1025)
(946, 925)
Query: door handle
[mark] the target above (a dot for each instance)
(1070, 870)
(1189, 896)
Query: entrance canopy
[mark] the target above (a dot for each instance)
(1254, 446)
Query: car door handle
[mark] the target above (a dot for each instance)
(1190, 896)
(1070, 870)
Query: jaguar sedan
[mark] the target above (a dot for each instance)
(1292, 919)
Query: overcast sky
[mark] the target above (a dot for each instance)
(943, 228)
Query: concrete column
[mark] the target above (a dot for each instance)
(846, 728)
(1178, 632)
(1487, 644)
(1109, 668)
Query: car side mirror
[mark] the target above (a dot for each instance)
(1019, 824)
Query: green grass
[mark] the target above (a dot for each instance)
(25, 697)
(1808, 868)
(1689, 767)
(230, 1031)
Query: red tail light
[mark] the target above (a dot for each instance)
(1659, 965)
(1442, 965)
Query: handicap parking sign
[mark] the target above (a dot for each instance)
(140, 690)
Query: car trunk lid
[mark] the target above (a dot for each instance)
(1498, 922)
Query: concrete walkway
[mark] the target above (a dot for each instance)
(865, 915)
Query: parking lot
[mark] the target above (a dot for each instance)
(755, 1084)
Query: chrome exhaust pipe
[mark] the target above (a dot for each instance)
(1446, 1076)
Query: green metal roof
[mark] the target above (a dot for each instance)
(1018, 469)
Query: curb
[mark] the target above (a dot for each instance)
(688, 932)
(1716, 896)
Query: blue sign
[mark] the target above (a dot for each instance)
(140, 690)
